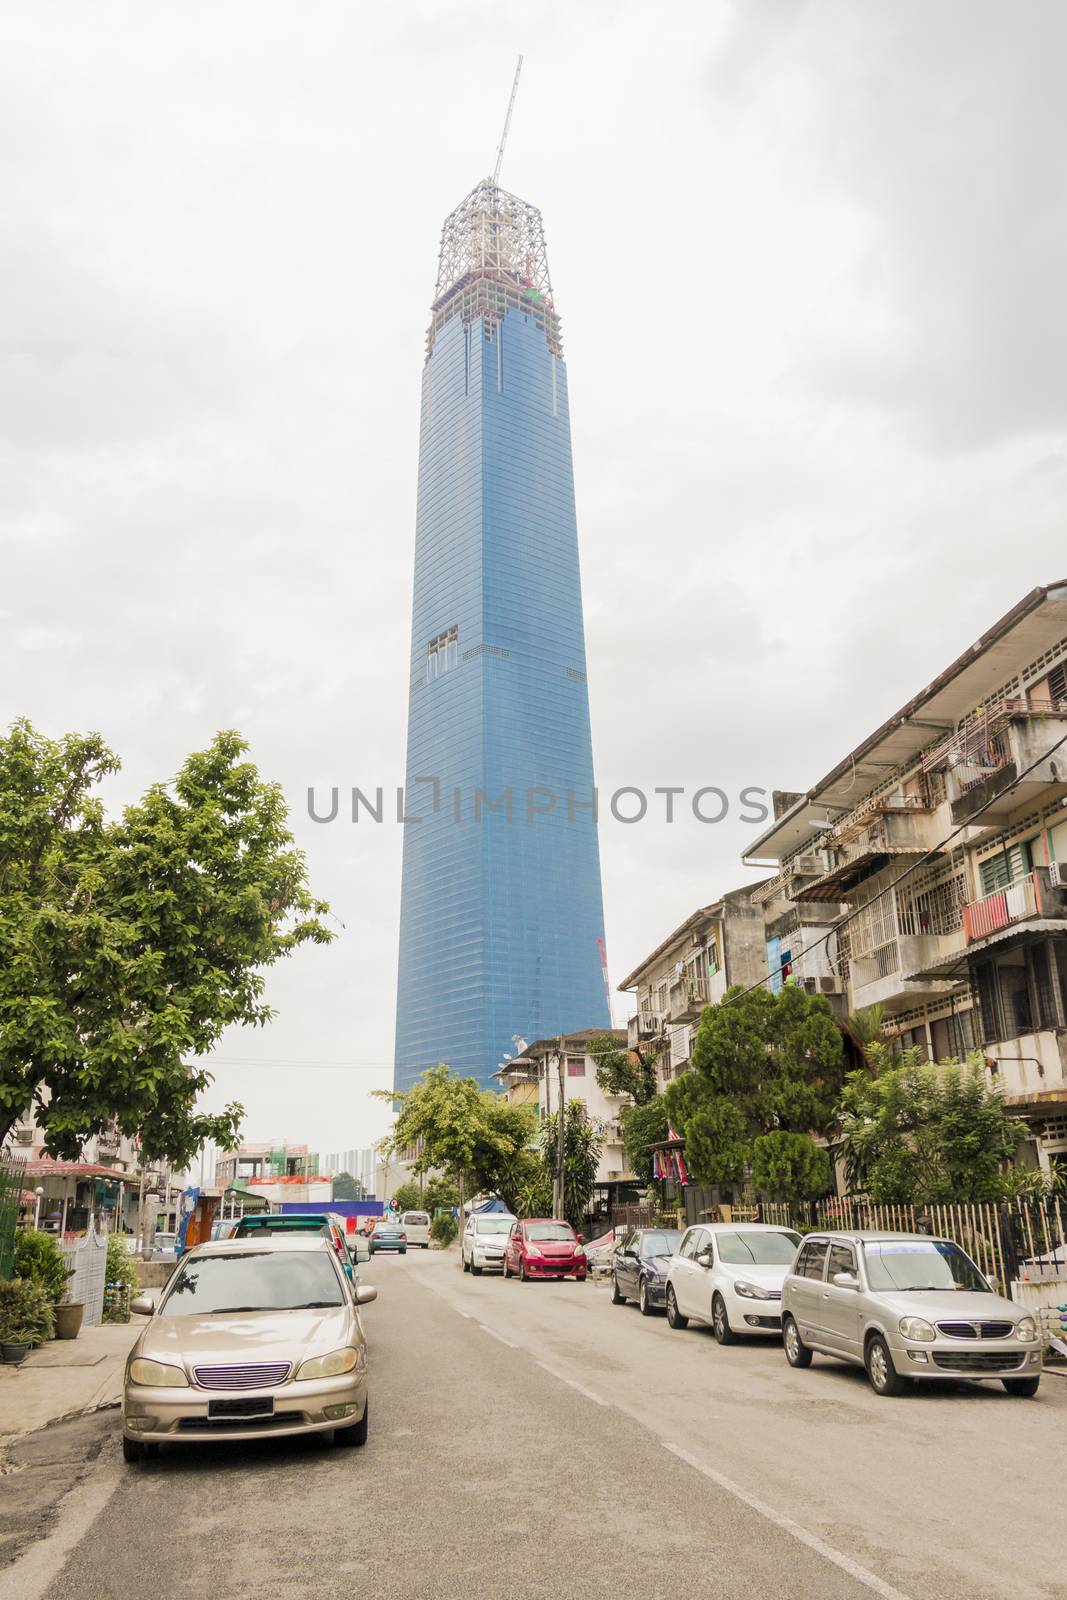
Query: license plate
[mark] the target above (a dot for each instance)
(260, 1407)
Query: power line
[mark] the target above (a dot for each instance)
(935, 850)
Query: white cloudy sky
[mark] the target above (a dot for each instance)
(810, 259)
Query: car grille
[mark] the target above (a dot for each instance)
(977, 1330)
(259, 1376)
(972, 1361)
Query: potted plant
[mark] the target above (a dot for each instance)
(27, 1318)
(39, 1256)
(69, 1315)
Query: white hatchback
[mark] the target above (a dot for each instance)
(731, 1275)
(484, 1239)
(416, 1224)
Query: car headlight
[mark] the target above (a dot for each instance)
(330, 1366)
(530, 1251)
(157, 1375)
(750, 1291)
(917, 1328)
(1026, 1330)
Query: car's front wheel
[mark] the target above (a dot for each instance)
(507, 1271)
(796, 1351)
(357, 1434)
(466, 1264)
(720, 1321)
(476, 1272)
(522, 1272)
(1024, 1388)
(674, 1316)
(138, 1450)
(617, 1299)
(644, 1304)
(883, 1375)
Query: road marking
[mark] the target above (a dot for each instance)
(494, 1335)
(33, 1574)
(554, 1372)
(869, 1579)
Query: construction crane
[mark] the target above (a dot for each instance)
(507, 125)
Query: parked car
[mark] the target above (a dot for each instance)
(388, 1235)
(544, 1247)
(250, 1337)
(416, 1224)
(905, 1307)
(164, 1247)
(639, 1269)
(484, 1240)
(730, 1274)
(276, 1224)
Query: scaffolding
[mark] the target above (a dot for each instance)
(493, 260)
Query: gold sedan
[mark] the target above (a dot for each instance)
(250, 1337)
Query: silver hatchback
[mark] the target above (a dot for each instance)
(905, 1306)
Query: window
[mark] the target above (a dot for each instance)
(691, 1243)
(259, 1280)
(753, 1247)
(841, 1260)
(442, 654)
(576, 1066)
(1004, 868)
(811, 1258)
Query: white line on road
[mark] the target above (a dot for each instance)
(494, 1335)
(870, 1580)
(554, 1372)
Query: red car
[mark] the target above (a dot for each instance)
(542, 1247)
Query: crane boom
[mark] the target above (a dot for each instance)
(507, 125)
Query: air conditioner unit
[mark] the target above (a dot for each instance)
(812, 864)
(1057, 874)
(696, 941)
(809, 985)
(23, 1135)
(829, 985)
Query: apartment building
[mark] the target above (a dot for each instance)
(539, 1068)
(942, 841)
(719, 945)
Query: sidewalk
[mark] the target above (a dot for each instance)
(65, 1378)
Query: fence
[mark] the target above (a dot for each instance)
(12, 1183)
(88, 1256)
(1022, 1239)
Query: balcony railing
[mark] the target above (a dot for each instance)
(1035, 895)
(687, 1000)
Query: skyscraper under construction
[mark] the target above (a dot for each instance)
(501, 925)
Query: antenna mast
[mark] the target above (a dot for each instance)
(507, 125)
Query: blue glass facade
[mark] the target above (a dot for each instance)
(501, 928)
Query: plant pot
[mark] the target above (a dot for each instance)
(69, 1319)
(13, 1355)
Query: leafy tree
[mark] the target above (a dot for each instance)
(620, 1071)
(790, 1166)
(439, 1194)
(864, 1027)
(345, 1187)
(127, 946)
(120, 1269)
(642, 1126)
(924, 1133)
(444, 1229)
(477, 1139)
(407, 1196)
(582, 1144)
(762, 1063)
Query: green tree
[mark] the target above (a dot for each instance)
(926, 1133)
(790, 1166)
(439, 1194)
(582, 1144)
(407, 1196)
(38, 1255)
(642, 1126)
(127, 946)
(345, 1187)
(762, 1063)
(477, 1139)
(620, 1071)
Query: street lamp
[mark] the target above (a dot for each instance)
(39, 1192)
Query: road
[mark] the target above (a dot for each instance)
(535, 1441)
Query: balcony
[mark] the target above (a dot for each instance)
(989, 776)
(1038, 894)
(687, 1000)
(643, 1028)
(861, 851)
(895, 975)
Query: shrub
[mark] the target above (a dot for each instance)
(39, 1257)
(444, 1229)
(27, 1312)
(122, 1280)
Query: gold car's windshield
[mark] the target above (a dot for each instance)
(261, 1280)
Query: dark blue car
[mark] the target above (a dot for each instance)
(639, 1271)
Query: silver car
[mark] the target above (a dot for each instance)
(251, 1337)
(905, 1306)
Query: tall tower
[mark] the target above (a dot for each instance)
(501, 920)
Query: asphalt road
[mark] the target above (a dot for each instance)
(534, 1441)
